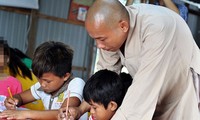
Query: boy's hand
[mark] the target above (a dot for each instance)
(10, 103)
(73, 113)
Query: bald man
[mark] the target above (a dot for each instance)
(157, 48)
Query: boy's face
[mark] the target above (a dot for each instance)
(99, 112)
(51, 83)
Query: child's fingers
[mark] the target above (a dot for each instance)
(70, 114)
(62, 115)
(62, 110)
(71, 118)
(11, 115)
(16, 102)
(10, 103)
(4, 114)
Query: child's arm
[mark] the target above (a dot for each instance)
(84, 107)
(73, 101)
(30, 114)
(36, 114)
(19, 99)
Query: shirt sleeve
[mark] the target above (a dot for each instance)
(76, 88)
(109, 60)
(35, 92)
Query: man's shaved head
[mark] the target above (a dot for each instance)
(107, 22)
(107, 11)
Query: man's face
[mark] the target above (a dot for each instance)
(106, 37)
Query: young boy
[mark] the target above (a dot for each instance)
(105, 91)
(52, 64)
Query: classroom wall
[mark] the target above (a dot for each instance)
(15, 28)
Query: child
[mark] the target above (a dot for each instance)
(18, 68)
(28, 80)
(105, 91)
(52, 64)
(14, 64)
(7, 82)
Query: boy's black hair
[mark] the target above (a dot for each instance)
(54, 57)
(16, 66)
(126, 79)
(106, 86)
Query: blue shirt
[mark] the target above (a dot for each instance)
(183, 10)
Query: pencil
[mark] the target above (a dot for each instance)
(9, 92)
(67, 107)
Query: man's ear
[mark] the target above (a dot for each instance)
(112, 106)
(66, 76)
(124, 25)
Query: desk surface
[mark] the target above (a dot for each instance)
(192, 3)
